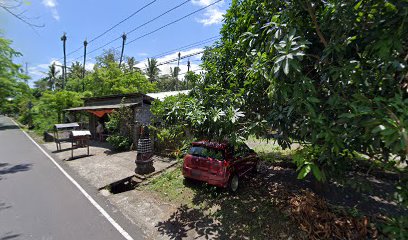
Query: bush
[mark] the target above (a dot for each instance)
(120, 126)
(120, 143)
(396, 228)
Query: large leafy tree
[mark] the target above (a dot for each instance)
(11, 79)
(108, 58)
(75, 70)
(74, 77)
(108, 79)
(49, 109)
(329, 73)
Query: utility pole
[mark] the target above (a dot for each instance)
(123, 48)
(26, 68)
(178, 68)
(188, 70)
(64, 70)
(83, 70)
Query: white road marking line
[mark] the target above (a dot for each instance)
(96, 205)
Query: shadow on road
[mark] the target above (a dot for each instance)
(8, 127)
(79, 157)
(4, 206)
(6, 169)
(9, 235)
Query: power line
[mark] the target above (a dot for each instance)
(106, 44)
(187, 46)
(127, 18)
(173, 22)
(181, 57)
(114, 26)
(161, 15)
(141, 25)
(195, 70)
(169, 61)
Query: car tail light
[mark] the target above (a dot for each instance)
(226, 164)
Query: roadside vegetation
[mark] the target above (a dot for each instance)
(42, 106)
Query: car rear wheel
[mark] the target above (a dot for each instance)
(187, 181)
(234, 183)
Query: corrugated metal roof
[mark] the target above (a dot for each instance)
(162, 95)
(114, 106)
(120, 96)
(66, 125)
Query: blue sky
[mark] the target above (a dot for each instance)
(87, 19)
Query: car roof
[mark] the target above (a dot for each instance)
(216, 145)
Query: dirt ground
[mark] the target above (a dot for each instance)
(167, 207)
(261, 208)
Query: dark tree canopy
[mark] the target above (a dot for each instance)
(331, 74)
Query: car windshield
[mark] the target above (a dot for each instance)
(206, 152)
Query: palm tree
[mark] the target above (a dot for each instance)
(41, 84)
(152, 70)
(75, 71)
(52, 76)
(131, 64)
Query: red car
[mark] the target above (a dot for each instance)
(219, 164)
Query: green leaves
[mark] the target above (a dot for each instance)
(304, 171)
(306, 160)
(10, 77)
(289, 52)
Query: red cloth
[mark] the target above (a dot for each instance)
(100, 113)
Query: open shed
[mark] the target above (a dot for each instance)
(97, 109)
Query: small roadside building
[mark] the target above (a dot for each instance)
(99, 108)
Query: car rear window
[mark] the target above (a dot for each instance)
(206, 152)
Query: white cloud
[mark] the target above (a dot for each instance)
(41, 70)
(89, 66)
(52, 5)
(165, 69)
(142, 54)
(213, 14)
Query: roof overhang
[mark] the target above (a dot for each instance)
(162, 95)
(102, 107)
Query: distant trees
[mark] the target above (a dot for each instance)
(152, 70)
(107, 58)
(131, 64)
(105, 78)
(75, 71)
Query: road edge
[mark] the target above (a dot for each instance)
(76, 184)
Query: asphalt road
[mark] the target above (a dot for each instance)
(37, 201)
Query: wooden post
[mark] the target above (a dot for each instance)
(83, 70)
(64, 71)
(123, 48)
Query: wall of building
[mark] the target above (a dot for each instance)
(143, 115)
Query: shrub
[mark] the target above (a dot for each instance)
(120, 127)
(120, 143)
